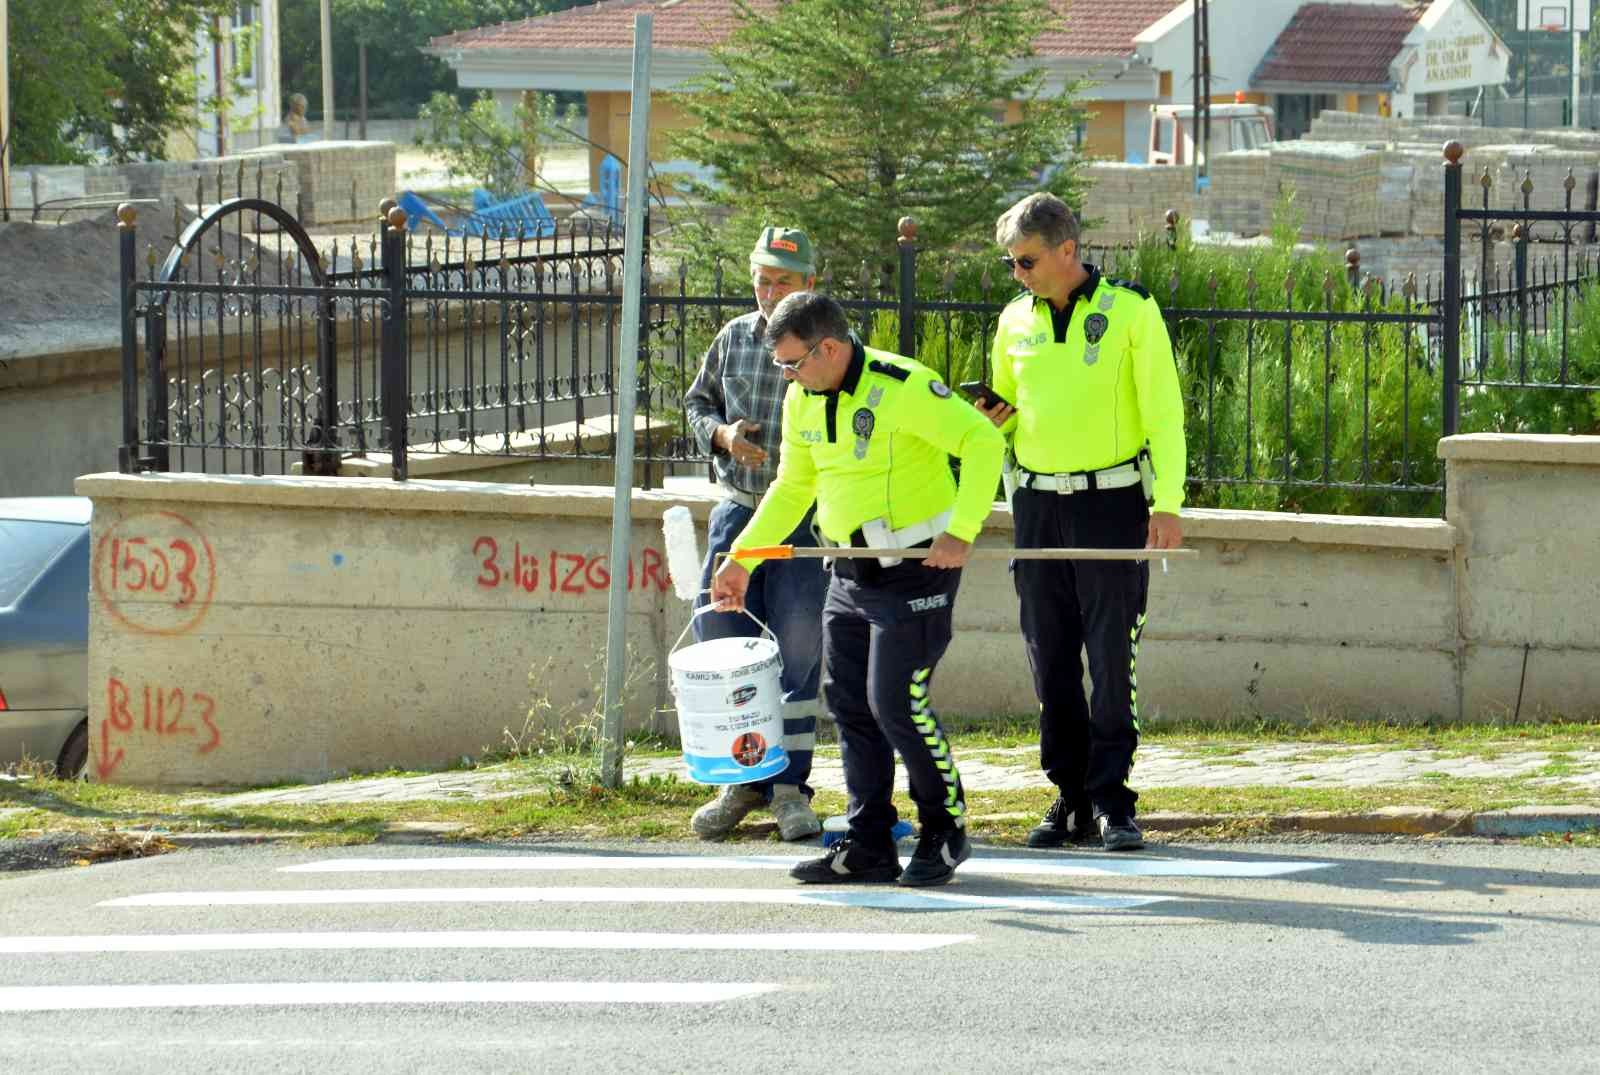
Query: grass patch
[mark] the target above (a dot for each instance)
(659, 807)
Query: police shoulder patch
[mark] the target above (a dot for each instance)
(1129, 285)
(939, 388)
(888, 369)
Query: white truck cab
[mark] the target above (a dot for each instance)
(1233, 126)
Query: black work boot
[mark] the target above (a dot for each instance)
(938, 853)
(1119, 833)
(1063, 824)
(850, 862)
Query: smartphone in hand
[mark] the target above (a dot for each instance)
(983, 394)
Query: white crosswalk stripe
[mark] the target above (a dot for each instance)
(885, 897)
(1087, 866)
(615, 940)
(289, 994)
(563, 898)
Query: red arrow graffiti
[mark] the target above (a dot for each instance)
(107, 762)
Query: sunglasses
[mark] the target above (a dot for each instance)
(797, 363)
(1024, 263)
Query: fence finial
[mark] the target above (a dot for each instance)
(395, 216)
(1452, 153)
(127, 216)
(907, 229)
(384, 207)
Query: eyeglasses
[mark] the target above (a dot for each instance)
(797, 363)
(1025, 263)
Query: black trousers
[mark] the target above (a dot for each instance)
(883, 632)
(1073, 607)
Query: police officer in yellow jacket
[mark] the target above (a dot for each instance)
(1095, 416)
(869, 436)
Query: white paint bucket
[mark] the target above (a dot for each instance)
(730, 709)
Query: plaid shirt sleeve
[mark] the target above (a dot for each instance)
(738, 380)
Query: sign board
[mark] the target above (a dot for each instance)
(1566, 16)
(1451, 48)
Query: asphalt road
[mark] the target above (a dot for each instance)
(1398, 956)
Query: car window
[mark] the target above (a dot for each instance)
(26, 547)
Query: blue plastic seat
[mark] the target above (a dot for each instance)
(418, 211)
(522, 217)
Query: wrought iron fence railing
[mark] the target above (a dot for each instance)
(247, 349)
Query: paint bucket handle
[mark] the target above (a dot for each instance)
(709, 607)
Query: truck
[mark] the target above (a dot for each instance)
(1233, 126)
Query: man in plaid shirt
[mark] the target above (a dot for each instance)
(735, 407)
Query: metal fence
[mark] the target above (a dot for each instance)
(260, 354)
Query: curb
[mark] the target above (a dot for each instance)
(1517, 822)
(1514, 823)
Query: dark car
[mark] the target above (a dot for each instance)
(44, 632)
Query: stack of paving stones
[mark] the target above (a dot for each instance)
(1335, 186)
(167, 181)
(1127, 200)
(1238, 201)
(341, 182)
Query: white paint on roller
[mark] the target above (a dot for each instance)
(1093, 865)
(884, 898)
(607, 940)
(683, 551)
(45, 998)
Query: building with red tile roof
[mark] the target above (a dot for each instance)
(1361, 55)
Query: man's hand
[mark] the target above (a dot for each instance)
(731, 439)
(999, 414)
(948, 551)
(1166, 532)
(729, 584)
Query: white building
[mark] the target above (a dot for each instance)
(244, 48)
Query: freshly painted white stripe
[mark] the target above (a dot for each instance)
(42, 998)
(1097, 865)
(890, 898)
(373, 939)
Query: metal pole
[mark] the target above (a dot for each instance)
(1527, 56)
(128, 249)
(1575, 80)
(327, 70)
(633, 284)
(5, 116)
(1451, 362)
(362, 77)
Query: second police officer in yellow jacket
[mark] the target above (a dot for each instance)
(869, 435)
(1095, 415)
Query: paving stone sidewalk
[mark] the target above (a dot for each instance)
(1279, 765)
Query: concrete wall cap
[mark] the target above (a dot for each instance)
(426, 495)
(1556, 449)
(369, 494)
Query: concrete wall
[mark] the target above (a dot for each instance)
(330, 182)
(1528, 571)
(327, 625)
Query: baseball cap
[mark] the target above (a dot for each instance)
(784, 248)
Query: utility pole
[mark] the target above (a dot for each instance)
(5, 116)
(1202, 93)
(327, 70)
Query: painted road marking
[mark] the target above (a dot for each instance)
(886, 898)
(1088, 866)
(378, 939)
(40, 998)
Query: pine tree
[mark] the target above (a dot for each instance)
(841, 116)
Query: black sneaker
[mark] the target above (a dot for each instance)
(848, 862)
(1064, 825)
(938, 853)
(1119, 833)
